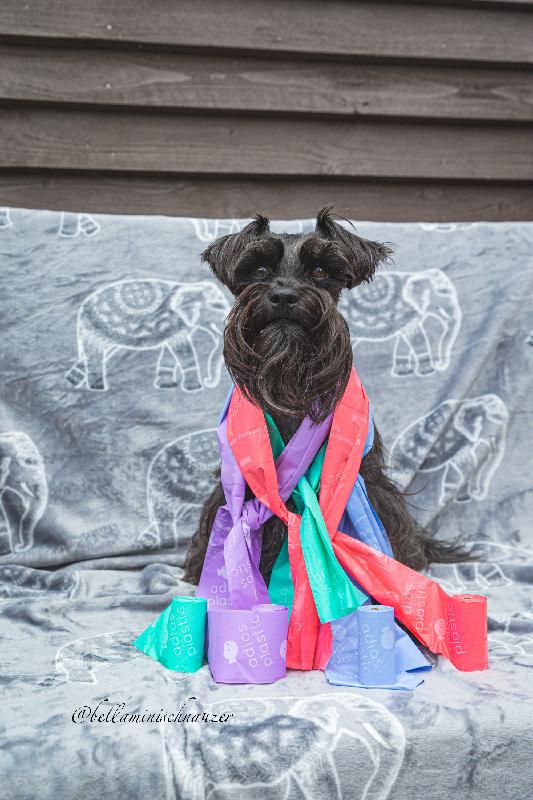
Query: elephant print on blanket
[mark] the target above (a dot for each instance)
(461, 440)
(70, 224)
(154, 315)
(419, 311)
(179, 478)
(23, 491)
(102, 476)
(5, 218)
(284, 747)
(79, 660)
(207, 230)
(74, 224)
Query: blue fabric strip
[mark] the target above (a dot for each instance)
(361, 522)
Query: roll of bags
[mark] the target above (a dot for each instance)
(177, 637)
(371, 651)
(376, 650)
(248, 645)
(245, 646)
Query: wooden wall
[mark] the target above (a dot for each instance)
(391, 110)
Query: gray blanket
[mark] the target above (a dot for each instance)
(112, 380)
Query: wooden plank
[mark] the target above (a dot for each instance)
(519, 4)
(226, 197)
(217, 83)
(196, 144)
(338, 27)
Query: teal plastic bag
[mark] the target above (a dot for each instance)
(333, 592)
(177, 637)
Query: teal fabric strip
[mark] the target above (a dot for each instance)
(333, 592)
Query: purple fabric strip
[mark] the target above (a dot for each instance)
(230, 576)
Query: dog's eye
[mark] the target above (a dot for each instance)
(261, 272)
(318, 273)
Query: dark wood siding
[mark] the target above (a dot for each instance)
(395, 110)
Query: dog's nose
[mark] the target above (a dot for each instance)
(283, 297)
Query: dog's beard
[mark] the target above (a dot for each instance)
(288, 367)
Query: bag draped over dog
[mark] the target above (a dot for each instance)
(337, 555)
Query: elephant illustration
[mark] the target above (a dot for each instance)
(22, 476)
(470, 578)
(506, 646)
(418, 310)
(207, 230)
(273, 745)
(16, 580)
(511, 637)
(5, 218)
(151, 314)
(463, 439)
(72, 224)
(79, 660)
(180, 477)
(446, 227)
(496, 566)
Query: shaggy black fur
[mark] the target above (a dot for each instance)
(288, 349)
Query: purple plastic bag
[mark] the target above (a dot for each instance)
(246, 637)
(248, 646)
(230, 576)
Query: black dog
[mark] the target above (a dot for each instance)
(288, 349)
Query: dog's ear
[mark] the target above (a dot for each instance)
(362, 255)
(222, 254)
